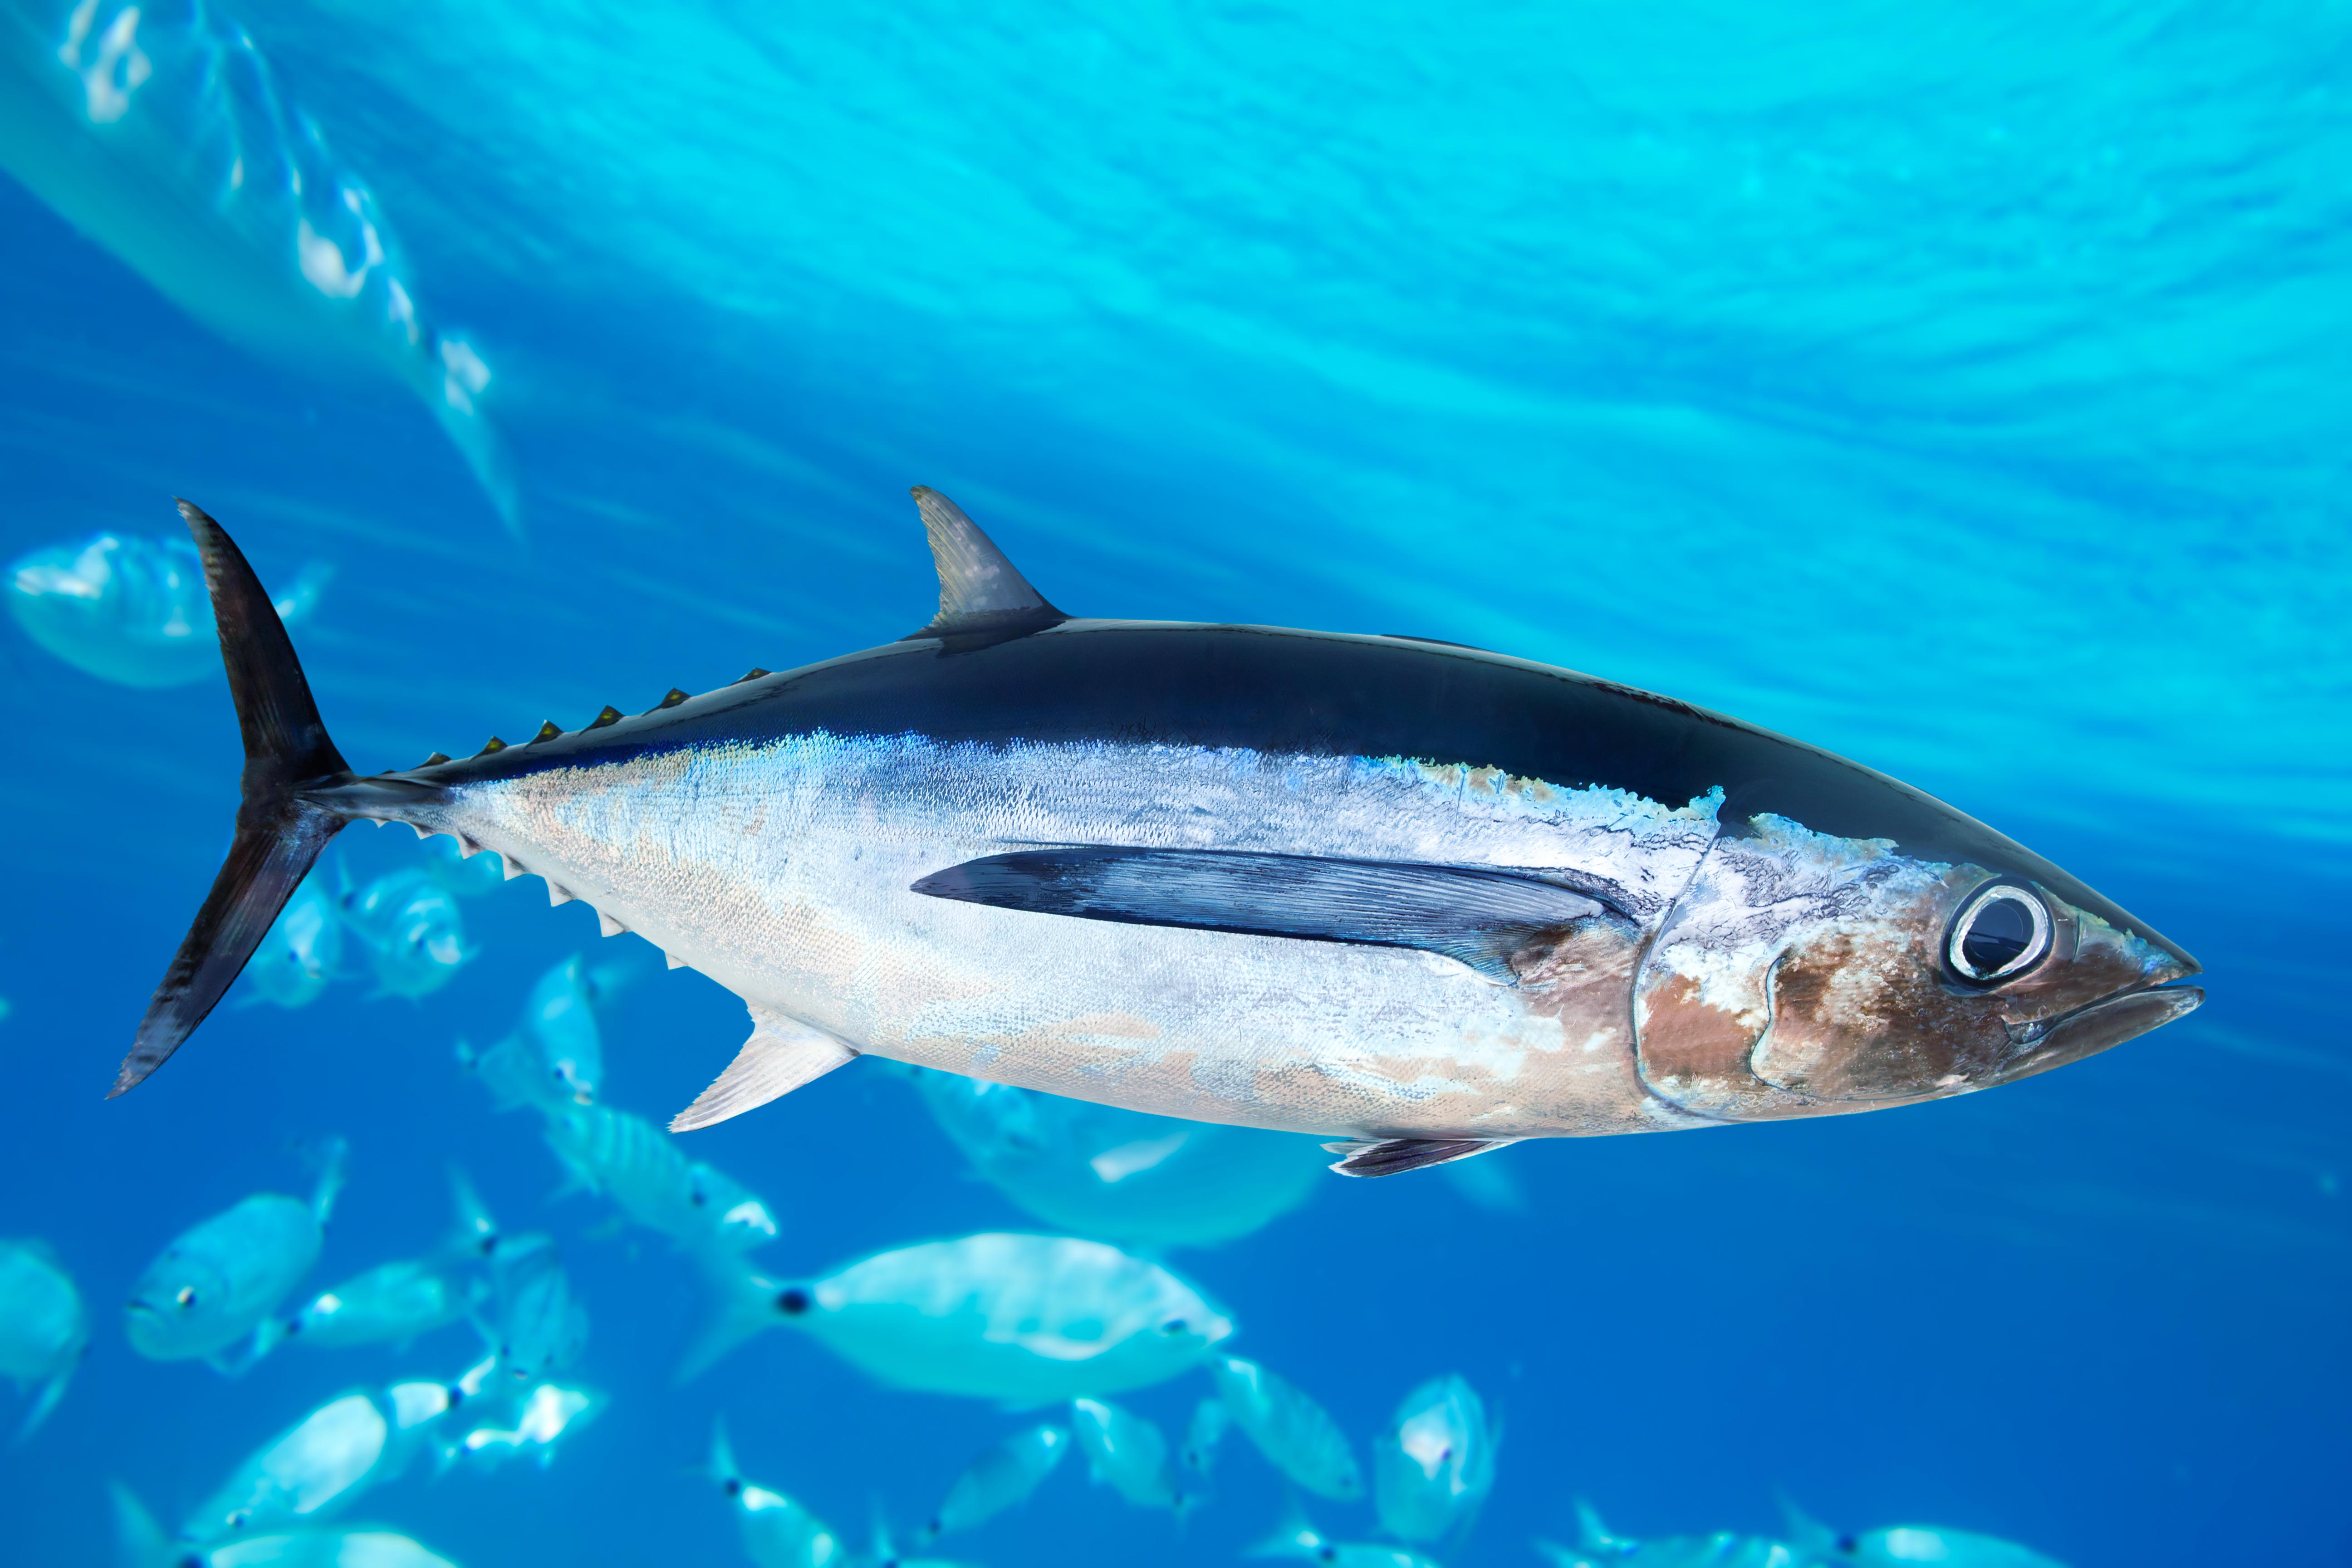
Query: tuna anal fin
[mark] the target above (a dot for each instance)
(981, 593)
(782, 1055)
(1395, 1156)
(1482, 918)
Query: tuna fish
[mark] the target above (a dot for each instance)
(1416, 899)
(1118, 1174)
(129, 609)
(219, 1281)
(1433, 1467)
(1000, 1479)
(44, 1328)
(1025, 1320)
(160, 132)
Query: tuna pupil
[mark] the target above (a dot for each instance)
(1998, 935)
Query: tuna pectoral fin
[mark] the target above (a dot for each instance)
(279, 832)
(1480, 917)
(782, 1055)
(1395, 1156)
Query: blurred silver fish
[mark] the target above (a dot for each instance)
(1126, 1452)
(637, 1166)
(1435, 1466)
(1898, 1545)
(1002, 1478)
(1025, 1320)
(1205, 1434)
(1296, 1436)
(778, 1531)
(219, 1281)
(394, 1302)
(130, 609)
(518, 1423)
(556, 1054)
(44, 1328)
(540, 1326)
(303, 952)
(140, 1544)
(160, 132)
(412, 931)
(1122, 1176)
(1597, 1548)
(319, 1464)
(468, 877)
(1296, 1536)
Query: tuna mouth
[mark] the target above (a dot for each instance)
(2096, 1026)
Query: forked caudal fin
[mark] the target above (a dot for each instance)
(278, 834)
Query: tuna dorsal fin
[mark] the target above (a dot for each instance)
(980, 591)
(782, 1055)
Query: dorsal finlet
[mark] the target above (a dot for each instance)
(495, 744)
(979, 590)
(435, 761)
(610, 715)
(547, 731)
(671, 699)
(752, 674)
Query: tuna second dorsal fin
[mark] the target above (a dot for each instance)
(980, 591)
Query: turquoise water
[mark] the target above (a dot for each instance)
(1958, 387)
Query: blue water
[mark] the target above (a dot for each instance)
(1956, 385)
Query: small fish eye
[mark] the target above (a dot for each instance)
(1847, 1545)
(2001, 931)
(186, 1297)
(1328, 1554)
(731, 1486)
(792, 1302)
(1172, 1326)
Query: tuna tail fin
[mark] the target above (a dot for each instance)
(747, 1304)
(139, 1541)
(279, 832)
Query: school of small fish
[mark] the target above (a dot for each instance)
(1057, 1325)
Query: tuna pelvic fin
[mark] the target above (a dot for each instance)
(782, 1055)
(279, 833)
(1395, 1156)
(981, 593)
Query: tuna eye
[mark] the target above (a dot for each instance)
(2000, 933)
(792, 1302)
(187, 1296)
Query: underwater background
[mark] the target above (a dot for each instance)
(1957, 386)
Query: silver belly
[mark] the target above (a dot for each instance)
(783, 871)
